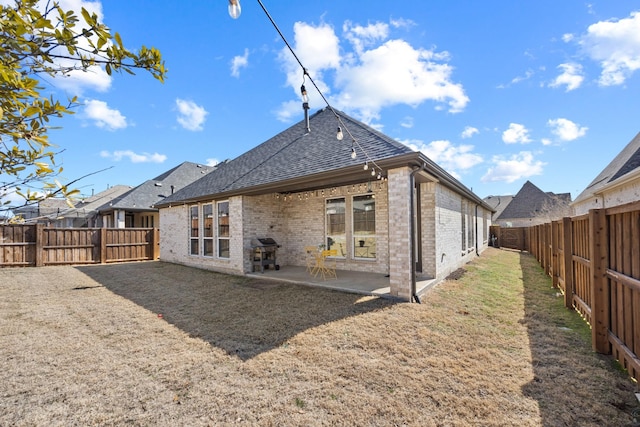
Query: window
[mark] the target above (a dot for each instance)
(336, 237)
(463, 223)
(223, 229)
(195, 228)
(364, 226)
(207, 233)
(472, 227)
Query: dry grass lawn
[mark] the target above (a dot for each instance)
(86, 346)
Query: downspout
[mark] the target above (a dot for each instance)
(412, 220)
(476, 222)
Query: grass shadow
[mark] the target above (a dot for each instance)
(567, 373)
(242, 316)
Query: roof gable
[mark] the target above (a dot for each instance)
(531, 202)
(147, 194)
(625, 162)
(296, 153)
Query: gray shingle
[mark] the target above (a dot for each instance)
(294, 153)
(626, 161)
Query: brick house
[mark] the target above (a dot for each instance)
(617, 184)
(384, 209)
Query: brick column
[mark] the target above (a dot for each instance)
(400, 232)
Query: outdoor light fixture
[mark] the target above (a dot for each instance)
(305, 97)
(339, 135)
(373, 171)
(366, 166)
(353, 153)
(234, 9)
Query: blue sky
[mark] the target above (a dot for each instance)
(496, 92)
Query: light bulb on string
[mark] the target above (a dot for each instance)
(373, 172)
(303, 91)
(366, 166)
(234, 9)
(339, 135)
(353, 153)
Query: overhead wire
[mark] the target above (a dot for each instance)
(305, 74)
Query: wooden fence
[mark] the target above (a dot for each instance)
(595, 260)
(36, 245)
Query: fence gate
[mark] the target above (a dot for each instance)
(510, 237)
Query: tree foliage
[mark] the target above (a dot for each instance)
(38, 39)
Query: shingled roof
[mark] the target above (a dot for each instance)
(531, 202)
(298, 160)
(628, 160)
(146, 195)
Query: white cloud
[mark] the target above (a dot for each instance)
(571, 76)
(95, 77)
(239, 62)
(190, 115)
(212, 162)
(510, 169)
(615, 44)
(453, 158)
(516, 134)
(469, 131)
(103, 116)
(566, 130)
(361, 37)
(407, 122)
(134, 157)
(402, 23)
(378, 73)
(546, 141)
(568, 37)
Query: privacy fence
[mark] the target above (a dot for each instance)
(595, 260)
(37, 245)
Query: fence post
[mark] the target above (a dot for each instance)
(39, 243)
(155, 244)
(103, 245)
(567, 244)
(599, 283)
(553, 255)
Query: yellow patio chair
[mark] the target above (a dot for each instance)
(311, 253)
(329, 264)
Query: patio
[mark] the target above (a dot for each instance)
(357, 282)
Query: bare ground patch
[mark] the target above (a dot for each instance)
(85, 346)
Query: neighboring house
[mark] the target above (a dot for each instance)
(303, 187)
(136, 207)
(532, 206)
(617, 184)
(498, 203)
(55, 212)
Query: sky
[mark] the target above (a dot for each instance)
(495, 92)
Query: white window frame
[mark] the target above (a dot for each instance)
(211, 237)
(355, 237)
(193, 238)
(222, 238)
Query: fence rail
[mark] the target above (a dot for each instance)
(595, 260)
(36, 245)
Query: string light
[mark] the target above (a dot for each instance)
(366, 166)
(234, 9)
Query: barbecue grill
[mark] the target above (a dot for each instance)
(264, 253)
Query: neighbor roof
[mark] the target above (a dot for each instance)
(297, 160)
(530, 202)
(498, 203)
(628, 160)
(146, 195)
